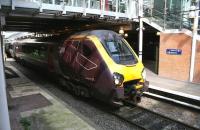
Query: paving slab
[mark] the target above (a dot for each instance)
(178, 86)
(179, 92)
(28, 101)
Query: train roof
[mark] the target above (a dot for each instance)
(97, 33)
(38, 40)
(101, 34)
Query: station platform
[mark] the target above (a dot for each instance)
(184, 93)
(34, 107)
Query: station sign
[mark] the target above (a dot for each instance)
(174, 51)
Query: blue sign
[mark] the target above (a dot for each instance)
(173, 51)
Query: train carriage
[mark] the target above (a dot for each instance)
(98, 63)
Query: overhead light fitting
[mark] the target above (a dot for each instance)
(121, 31)
(126, 35)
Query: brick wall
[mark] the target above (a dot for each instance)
(175, 66)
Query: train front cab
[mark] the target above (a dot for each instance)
(126, 69)
(105, 62)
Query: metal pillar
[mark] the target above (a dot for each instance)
(140, 38)
(140, 29)
(194, 43)
(117, 9)
(84, 6)
(165, 15)
(4, 116)
(89, 2)
(72, 3)
(152, 5)
(53, 2)
(102, 7)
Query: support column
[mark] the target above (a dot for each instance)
(4, 116)
(53, 2)
(102, 8)
(165, 14)
(194, 43)
(0, 4)
(117, 8)
(140, 38)
(89, 2)
(72, 3)
(140, 29)
(84, 6)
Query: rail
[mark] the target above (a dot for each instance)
(149, 120)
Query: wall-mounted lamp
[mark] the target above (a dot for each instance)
(126, 35)
(121, 31)
(158, 33)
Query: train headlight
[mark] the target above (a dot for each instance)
(144, 74)
(118, 78)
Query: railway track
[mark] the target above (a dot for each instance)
(191, 103)
(149, 120)
(146, 119)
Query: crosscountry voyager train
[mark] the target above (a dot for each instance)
(98, 63)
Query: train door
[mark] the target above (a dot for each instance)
(87, 59)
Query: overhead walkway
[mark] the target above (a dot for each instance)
(16, 12)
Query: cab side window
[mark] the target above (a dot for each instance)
(87, 48)
(75, 44)
(86, 51)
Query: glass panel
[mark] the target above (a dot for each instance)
(119, 52)
(75, 44)
(174, 6)
(57, 2)
(26, 0)
(78, 3)
(110, 5)
(175, 17)
(95, 4)
(68, 2)
(47, 1)
(86, 48)
(122, 6)
(116, 47)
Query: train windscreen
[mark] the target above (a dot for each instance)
(117, 48)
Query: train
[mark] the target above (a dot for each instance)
(9, 50)
(97, 63)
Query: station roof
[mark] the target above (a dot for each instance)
(57, 23)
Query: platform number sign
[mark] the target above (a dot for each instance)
(173, 51)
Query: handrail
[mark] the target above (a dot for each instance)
(169, 19)
(114, 8)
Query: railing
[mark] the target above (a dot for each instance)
(170, 20)
(156, 12)
(114, 8)
(167, 19)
